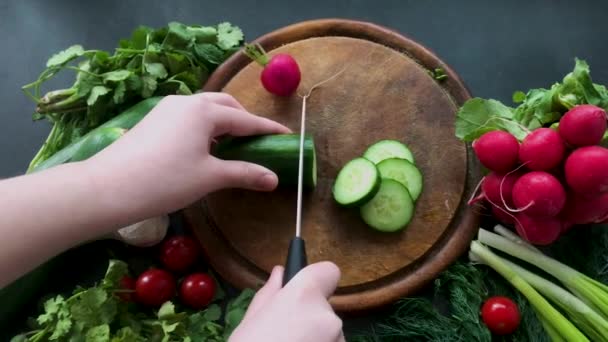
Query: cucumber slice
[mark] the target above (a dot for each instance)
(391, 209)
(385, 149)
(357, 182)
(403, 172)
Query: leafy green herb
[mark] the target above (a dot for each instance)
(97, 314)
(176, 59)
(537, 108)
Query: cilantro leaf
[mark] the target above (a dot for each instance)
(213, 312)
(156, 70)
(478, 116)
(116, 270)
(236, 309)
(96, 92)
(119, 93)
(94, 307)
(126, 334)
(167, 309)
(209, 52)
(204, 34)
(100, 333)
(149, 85)
(228, 36)
(116, 76)
(178, 36)
(65, 56)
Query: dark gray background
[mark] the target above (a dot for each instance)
(496, 47)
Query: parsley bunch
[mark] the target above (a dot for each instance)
(97, 314)
(176, 59)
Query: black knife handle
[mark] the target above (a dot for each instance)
(296, 259)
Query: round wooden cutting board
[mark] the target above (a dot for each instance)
(384, 92)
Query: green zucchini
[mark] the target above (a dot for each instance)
(97, 141)
(279, 153)
(126, 120)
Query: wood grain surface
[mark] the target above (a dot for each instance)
(380, 93)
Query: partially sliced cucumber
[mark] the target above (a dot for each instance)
(391, 209)
(385, 149)
(356, 183)
(403, 172)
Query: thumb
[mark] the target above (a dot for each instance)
(267, 292)
(244, 175)
(322, 276)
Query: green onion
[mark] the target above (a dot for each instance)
(547, 312)
(594, 293)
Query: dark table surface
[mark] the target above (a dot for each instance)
(496, 47)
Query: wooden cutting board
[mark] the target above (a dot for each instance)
(384, 92)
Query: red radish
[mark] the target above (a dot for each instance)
(281, 74)
(587, 170)
(566, 226)
(491, 187)
(497, 150)
(502, 215)
(583, 125)
(539, 194)
(538, 231)
(585, 210)
(542, 149)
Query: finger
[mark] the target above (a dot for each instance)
(267, 292)
(321, 276)
(223, 99)
(341, 337)
(242, 175)
(241, 123)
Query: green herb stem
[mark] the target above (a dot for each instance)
(562, 325)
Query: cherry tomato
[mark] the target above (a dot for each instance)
(197, 290)
(179, 253)
(154, 287)
(501, 315)
(126, 283)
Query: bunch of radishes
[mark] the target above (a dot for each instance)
(552, 180)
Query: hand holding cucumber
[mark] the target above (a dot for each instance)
(164, 162)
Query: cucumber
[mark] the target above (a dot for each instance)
(388, 148)
(391, 209)
(278, 152)
(403, 172)
(357, 182)
(127, 119)
(97, 141)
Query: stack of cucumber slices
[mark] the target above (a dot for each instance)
(384, 185)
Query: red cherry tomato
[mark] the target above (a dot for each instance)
(126, 283)
(501, 315)
(197, 290)
(179, 253)
(154, 287)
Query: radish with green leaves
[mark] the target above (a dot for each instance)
(587, 170)
(281, 74)
(542, 149)
(583, 125)
(497, 150)
(538, 231)
(539, 194)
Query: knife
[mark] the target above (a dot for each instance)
(296, 254)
